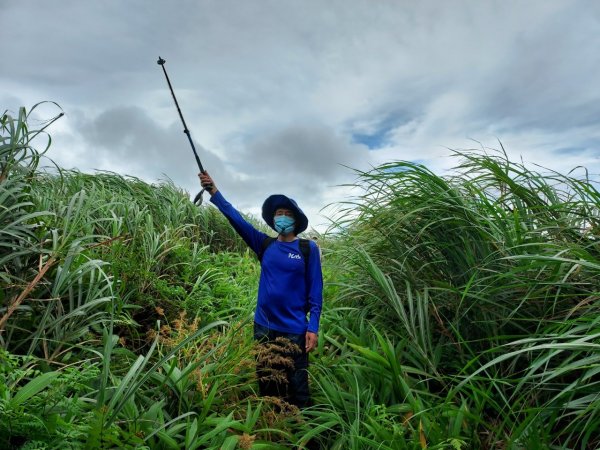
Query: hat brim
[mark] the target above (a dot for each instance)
(276, 201)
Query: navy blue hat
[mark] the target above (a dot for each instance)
(276, 201)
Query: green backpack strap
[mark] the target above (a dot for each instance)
(304, 249)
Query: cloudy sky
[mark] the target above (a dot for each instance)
(283, 96)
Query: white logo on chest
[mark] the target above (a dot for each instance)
(293, 256)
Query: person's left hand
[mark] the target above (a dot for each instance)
(311, 341)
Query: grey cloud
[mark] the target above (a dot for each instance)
(549, 79)
(304, 161)
(304, 154)
(276, 90)
(128, 141)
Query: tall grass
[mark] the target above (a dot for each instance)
(90, 265)
(460, 312)
(490, 277)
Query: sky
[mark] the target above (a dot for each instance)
(292, 97)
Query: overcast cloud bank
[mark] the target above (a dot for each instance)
(281, 97)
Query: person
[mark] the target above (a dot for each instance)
(290, 292)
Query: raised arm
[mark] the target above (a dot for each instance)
(248, 233)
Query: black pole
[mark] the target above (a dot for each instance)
(161, 62)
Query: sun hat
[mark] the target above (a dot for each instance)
(276, 201)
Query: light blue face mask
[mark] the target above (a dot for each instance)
(284, 224)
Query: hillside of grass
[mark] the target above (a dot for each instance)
(460, 312)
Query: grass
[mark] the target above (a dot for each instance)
(460, 312)
(487, 274)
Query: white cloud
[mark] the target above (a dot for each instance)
(281, 95)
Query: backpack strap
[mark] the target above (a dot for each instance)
(265, 244)
(304, 249)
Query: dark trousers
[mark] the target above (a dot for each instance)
(282, 366)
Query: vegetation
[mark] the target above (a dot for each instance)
(462, 312)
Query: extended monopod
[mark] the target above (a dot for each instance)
(198, 198)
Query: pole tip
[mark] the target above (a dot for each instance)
(160, 61)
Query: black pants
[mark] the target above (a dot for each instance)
(282, 366)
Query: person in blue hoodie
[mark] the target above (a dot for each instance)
(290, 290)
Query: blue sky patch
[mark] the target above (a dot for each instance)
(378, 138)
(372, 141)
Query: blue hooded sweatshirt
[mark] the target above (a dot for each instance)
(285, 293)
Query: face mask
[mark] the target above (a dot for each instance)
(284, 224)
